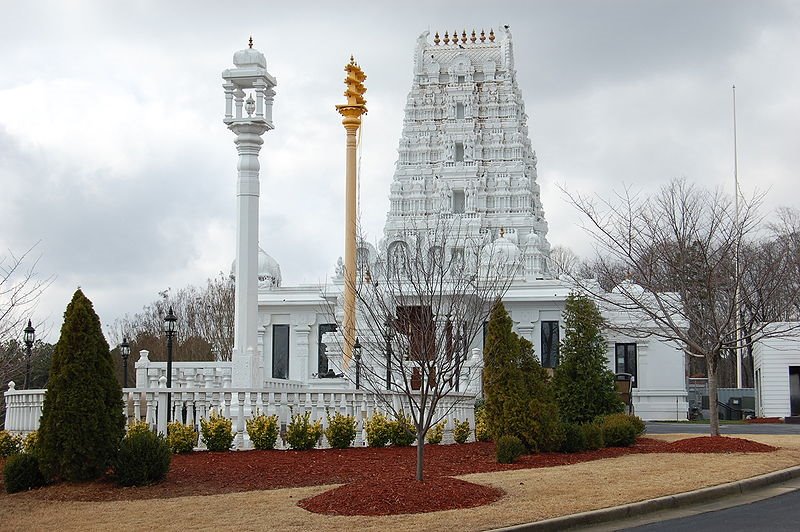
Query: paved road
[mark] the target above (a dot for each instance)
(743, 428)
(775, 515)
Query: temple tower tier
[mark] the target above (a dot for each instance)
(248, 114)
(465, 150)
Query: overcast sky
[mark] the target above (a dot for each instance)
(114, 158)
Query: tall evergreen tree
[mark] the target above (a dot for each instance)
(584, 386)
(518, 397)
(82, 420)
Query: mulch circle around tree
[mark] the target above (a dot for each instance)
(762, 420)
(375, 481)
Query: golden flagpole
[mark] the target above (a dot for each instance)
(351, 120)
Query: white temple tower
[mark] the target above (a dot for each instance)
(465, 149)
(248, 114)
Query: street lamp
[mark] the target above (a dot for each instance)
(124, 351)
(389, 336)
(29, 337)
(169, 329)
(357, 354)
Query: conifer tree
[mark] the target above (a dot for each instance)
(518, 397)
(82, 420)
(584, 386)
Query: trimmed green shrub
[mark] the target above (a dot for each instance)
(583, 384)
(341, 431)
(574, 438)
(143, 459)
(217, 432)
(9, 444)
(436, 433)
(82, 421)
(618, 431)
(30, 444)
(22, 473)
(263, 431)
(461, 431)
(509, 448)
(302, 434)
(593, 432)
(637, 422)
(401, 431)
(379, 430)
(181, 438)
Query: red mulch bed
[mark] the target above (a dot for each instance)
(374, 479)
(758, 420)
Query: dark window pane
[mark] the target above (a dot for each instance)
(625, 356)
(280, 351)
(322, 349)
(550, 341)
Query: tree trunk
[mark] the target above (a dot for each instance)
(713, 406)
(420, 453)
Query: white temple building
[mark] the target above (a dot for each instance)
(465, 153)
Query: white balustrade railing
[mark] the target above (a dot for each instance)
(191, 404)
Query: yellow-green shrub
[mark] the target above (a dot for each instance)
(30, 442)
(301, 433)
(481, 426)
(138, 427)
(461, 431)
(402, 432)
(378, 430)
(436, 433)
(217, 432)
(181, 438)
(9, 444)
(341, 431)
(263, 431)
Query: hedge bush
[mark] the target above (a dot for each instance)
(263, 431)
(9, 444)
(481, 426)
(143, 459)
(341, 431)
(22, 473)
(574, 438)
(181, 438)
(379, 430)
(302, 434)
(593, 432)
(461, 431)
(402, 432)
(138, 427)
(618, 431)
(509, 448)
(217, 432)
(436, 433)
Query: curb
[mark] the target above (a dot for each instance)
(667, 502)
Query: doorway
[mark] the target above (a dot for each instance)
(794, 390)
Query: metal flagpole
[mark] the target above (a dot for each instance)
(736, 300)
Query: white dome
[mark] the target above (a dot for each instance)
(501, 252)
(269, 271)
(248, 58)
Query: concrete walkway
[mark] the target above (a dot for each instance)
(672, 506)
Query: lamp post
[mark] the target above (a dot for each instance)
(124, 351)
(389, 336)
(29, 337)
(169, 329)
(357, 355)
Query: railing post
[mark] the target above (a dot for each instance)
(161, 422)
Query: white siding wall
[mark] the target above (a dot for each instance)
(772, 358)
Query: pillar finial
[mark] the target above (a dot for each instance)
(250, 42)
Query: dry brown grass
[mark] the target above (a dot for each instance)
(531, 494)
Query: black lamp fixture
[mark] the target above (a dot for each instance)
(169, 329)
(124, 351)
(29, 337)
(357, 354)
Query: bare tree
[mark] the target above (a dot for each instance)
(420, 308)
(204, 326)
(673, 260)
(564, 261)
